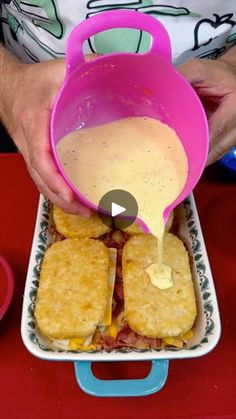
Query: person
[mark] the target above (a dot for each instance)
(32, 68)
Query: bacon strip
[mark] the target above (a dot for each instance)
(126, 337)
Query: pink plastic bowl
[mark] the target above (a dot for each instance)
(119, 85)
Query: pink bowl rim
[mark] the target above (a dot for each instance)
(80, 197)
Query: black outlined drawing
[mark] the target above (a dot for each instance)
(145, 6)
(213, 25)
(51, 22)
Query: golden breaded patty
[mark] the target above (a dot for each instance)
(134, 228)
(149, 310)
(73, 288)
(70, 225)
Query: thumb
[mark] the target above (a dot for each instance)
(222, 132)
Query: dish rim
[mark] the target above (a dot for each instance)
(206, 285)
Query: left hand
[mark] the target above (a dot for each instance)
(215, 83)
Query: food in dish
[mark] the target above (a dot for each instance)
(72, 294)
(70, 225)
(139, 154)
(151, 311)
(135, 228)
(84, 303)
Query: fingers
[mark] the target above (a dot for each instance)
(40, 157)
(73, 206)
(222, 130)
(42, 163)
(29, 108)
(197, 70)
(221, 141)
(212, 79)
(52, 185)
(215, 83)
(44, 171)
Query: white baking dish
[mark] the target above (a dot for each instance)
(207, 327)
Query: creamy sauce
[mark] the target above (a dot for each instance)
(138, 154)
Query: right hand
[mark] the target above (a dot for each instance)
(215, 83)
(26, 103)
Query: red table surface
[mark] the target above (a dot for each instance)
(200, 388)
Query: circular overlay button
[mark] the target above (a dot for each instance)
(121, 206)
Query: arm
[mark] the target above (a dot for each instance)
(27, 92)
(215, 82)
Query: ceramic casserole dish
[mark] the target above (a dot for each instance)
(207, 326)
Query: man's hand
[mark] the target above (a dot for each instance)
(26, 98)
(215, 83)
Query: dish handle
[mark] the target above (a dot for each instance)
(121, 388)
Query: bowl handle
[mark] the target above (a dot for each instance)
(115, 19)
(121, 388)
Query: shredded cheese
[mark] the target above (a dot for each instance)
(112, 329)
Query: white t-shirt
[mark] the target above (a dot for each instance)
(37, 30)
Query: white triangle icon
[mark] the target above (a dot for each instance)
(116, 209)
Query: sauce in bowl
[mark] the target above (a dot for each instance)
(138, 154)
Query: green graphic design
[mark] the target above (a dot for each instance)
(121, 40)
(16, 26)
(211, 25)
(13, 23)
(129, 40)
(231, 38)
(52, 23)
(44, 46)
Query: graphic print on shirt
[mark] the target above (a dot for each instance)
(231, 38)
(34, 29)
(127, 40)
(213, 28)
(42, 13)
(212, 54)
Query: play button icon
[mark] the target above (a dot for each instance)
(121, 206)
(116, 209)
